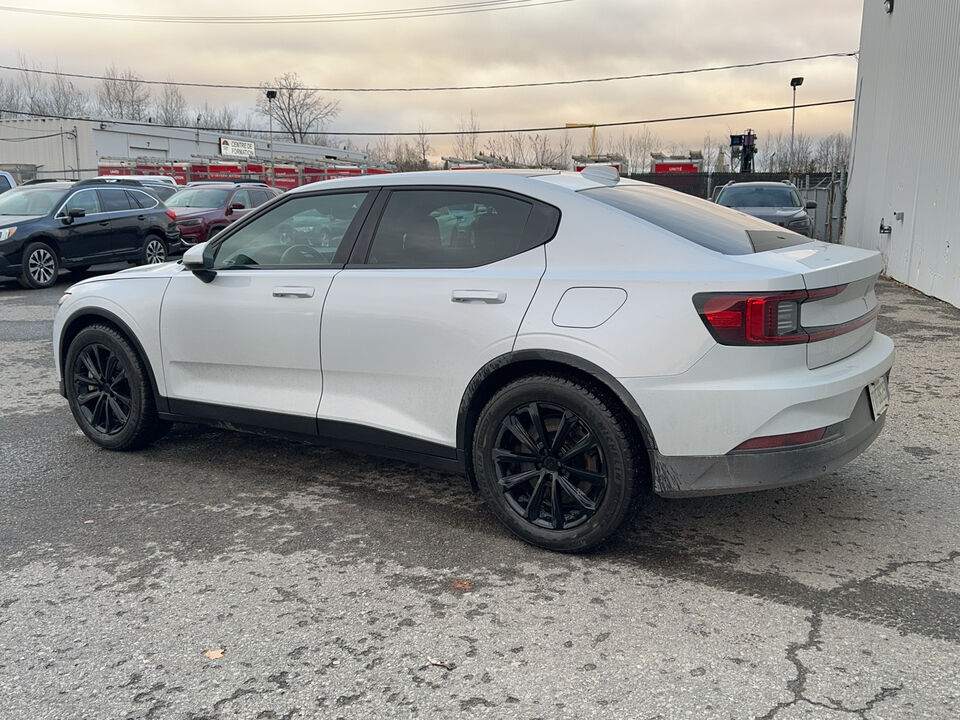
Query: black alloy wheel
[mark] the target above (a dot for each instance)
(109, 390)
(556, 459)
(549, 466)
(41, 266)
(102, 389)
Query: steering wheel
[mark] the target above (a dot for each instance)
(303, 253)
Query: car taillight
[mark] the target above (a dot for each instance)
(769, 442)
(172, 215)
(766, 318)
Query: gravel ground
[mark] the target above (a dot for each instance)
(223, 575)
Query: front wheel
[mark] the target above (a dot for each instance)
(154, 251)
(109, 390)
(556, 461)
(41, 266)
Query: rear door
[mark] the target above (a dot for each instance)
(124, 222)
(420, 309)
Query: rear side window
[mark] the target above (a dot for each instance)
(701, 222)
(113, 200)
(457, 228)
(139, 199)
(4, 183)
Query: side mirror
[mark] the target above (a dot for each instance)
(237, 206)
(195, 261)
(72, 214)
(811, 205)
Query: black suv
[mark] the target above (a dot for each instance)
(45, 226)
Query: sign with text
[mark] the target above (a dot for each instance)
(237, 148)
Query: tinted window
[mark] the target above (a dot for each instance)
(759, 196)
(142, 199)
(696, 220)
(304, 231)
(450, 228)
(4, 183)
(85, 200)
(198, 198)
(113, 200)
(260, 196)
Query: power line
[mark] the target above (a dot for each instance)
(502, 86)
(427, 11)
(249, 131)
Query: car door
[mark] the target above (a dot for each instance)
(124, 224)
(240, 197)
(85, 238)
(245, 346)
(416, 314)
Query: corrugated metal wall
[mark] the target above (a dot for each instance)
(905, 166)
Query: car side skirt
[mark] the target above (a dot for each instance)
(345, 436)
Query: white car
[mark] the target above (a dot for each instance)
(582, 335)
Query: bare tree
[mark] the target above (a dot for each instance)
(423, 146)
(171, 106)
(466, 143)
(123, 95)
(832, 152)
(298, 111)
(222, 117)
(11, 98)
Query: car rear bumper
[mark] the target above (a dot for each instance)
(691, 476)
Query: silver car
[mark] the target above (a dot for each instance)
(775, 202)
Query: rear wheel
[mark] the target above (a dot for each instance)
(41, 266)
(109, 390)
(154, 251)
(556, 462)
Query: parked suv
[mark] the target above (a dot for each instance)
(6, 181)
(204, 209)
(776, 202)
(45, 226)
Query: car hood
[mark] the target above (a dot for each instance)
(166, 269)
(772, 214)
(8, 220)
(187, 213)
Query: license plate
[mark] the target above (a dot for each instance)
(879, 396)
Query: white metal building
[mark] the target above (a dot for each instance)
(904, 193)
(61, 148)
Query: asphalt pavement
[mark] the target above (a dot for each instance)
(227, 575)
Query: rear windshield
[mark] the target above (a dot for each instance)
(759, 196)
(701, 222)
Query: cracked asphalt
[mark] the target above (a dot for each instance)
(333, 583)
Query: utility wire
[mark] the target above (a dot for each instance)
(360, 16)
(249, 131)
(581, 81)
(35, 137)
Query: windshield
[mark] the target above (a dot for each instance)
(757, 196)
(198, 198)
(29, 202)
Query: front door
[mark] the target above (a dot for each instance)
(247, 344)
(88, 238)
(441, 288)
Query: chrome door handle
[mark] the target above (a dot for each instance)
(293, 291)
(491, 297)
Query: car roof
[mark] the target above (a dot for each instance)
(505, 179)
(760, 183)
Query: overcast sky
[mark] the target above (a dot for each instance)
(561, 41)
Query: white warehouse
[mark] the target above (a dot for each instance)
(904, 193)
(52, 148)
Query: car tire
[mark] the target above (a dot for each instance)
(214, 230)
(154, 251)
(571, 492)
(41, 266)
(109, 390)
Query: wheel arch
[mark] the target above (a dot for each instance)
(505, 368)
(99, 316)
(46, 240)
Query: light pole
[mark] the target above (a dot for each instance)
(271, 96)
(794, 83)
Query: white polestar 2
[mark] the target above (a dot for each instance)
(561, 338)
